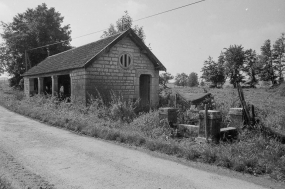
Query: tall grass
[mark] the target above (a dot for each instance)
(4, 184)
(254, 153)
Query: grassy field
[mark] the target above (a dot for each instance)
(253, 153)
(269, 103)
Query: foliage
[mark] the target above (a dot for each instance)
(122, 24)
(164, 79)
(193, 80)
(2, 58)
(266, 60)
(4, 183)
(33, 28)
(279, 56)
(214, 72)
(181, 79)
(253, 153)
(251, 66)
(234, 58)
(121, 109)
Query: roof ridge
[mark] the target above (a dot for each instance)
(119, 33)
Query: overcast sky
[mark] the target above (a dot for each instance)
(183, 39)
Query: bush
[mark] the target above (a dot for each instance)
(150, 125)
(121, 109)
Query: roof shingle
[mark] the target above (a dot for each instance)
(81, 56)
(71, 59)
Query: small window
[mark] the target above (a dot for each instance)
(125, 60)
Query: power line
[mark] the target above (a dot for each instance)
(170, 10)
(133, 21)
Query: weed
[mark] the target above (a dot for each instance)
(4, 184)
(254, 153)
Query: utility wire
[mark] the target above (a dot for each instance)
(170, 10)
(133, 21)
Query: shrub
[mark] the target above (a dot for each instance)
(150, 125)
(121, 109)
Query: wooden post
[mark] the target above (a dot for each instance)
(206, 122)
(253, 115)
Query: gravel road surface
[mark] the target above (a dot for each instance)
(36, 155)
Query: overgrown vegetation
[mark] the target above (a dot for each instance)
(254, 153)
(4, 184)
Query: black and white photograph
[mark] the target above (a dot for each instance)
(142, 94)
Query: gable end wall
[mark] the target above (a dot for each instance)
(105, 73)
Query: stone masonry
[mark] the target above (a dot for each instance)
(104, 72)
(107, 73)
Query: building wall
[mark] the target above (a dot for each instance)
(78, 85)
(26, 86)
(106, 73)
(77, 79)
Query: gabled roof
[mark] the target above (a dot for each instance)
(81, 56)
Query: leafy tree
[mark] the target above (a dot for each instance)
(193, 80)
(202, 83)
(279, 56)
(266, 59)
(214, 72)
(33, 28)
(164, 78)
(2, 58)
(122, 24)
(251, 66)
(181, 79)
(234, 58)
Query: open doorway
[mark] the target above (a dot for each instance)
(64, 86)
(144, 90)
(36, 85)
(47, 85)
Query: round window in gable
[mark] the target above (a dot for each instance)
(125, 60)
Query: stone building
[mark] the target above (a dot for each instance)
(120, 63)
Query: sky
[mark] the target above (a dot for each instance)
(182, 39)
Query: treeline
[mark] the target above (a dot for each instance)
(237, 64)
(181, 79)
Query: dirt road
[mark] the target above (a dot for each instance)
(35, 154)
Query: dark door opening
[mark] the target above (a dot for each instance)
(64, 86)
(144, 90)
(47, 85)
(36, 85)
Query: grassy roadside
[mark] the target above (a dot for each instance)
(253, 153)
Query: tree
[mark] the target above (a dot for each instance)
(214, 72)
(251, 66)
(266, 59)
(279, 56)
(181, 79)
(193, 80)
(164, 78)
(2, 58)
(33, 28)
(234, 58)
(122, 24)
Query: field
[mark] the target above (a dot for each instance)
(269, 103)
(253, 153)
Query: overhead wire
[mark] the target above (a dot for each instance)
(133, 21)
